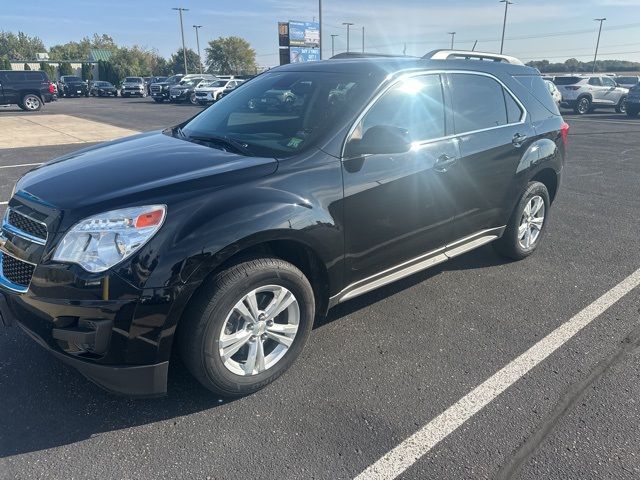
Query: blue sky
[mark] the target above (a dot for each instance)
(422, 24)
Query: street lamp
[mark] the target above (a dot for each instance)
(595, 57)
(504, 23)
(197, 27)
(333, 44)
(320, 26)
(348, 24)
(453, 35)
(184, 49)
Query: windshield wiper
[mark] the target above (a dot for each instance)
(236, 145)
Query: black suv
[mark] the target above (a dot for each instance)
(29, 89)
(72, 86)
(226, 235)
(160, 91)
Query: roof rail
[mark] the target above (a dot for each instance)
(445, 54)
(343, 55)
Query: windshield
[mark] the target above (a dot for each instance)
(72, 79)
(103, 84)
(191, 82)
(627, 80)
(216, 83)
(174, 79)
(281, 114)
(133, 80)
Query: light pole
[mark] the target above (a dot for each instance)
(595, 57)
(504, 23)
(348, 24)
(362, 39)
(184, 49)
(320, 25)
(333, 44)
(197, 27)
(453, 35)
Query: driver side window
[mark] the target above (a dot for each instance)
(415, 104)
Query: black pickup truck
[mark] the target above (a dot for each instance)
(72, 86)
(30, 90)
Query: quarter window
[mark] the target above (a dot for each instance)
(479, 102)
(415, 104)
(595, 81)
(514, 112)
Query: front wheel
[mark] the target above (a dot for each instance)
(526, 226)
(247, 326)
(193, 99)
(583, 106)
(622, 105)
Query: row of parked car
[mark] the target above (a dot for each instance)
(195, 88)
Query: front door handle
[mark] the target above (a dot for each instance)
(443, 162)
(518, 139)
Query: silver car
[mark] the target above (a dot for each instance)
(584, 93)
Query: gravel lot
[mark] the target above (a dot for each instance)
(381, 366)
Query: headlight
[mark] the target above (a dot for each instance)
(13, 191)
(99, 242)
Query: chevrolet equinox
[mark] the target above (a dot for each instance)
(225, 236)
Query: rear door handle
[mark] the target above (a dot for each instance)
(443, 162)
(518, 139)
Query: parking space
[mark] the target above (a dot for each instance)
(383, 366)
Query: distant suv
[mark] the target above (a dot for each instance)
(628, 81)
(585, 93)
(226, 235)
(633, 101)
(211, 91)
(72, 86)
(160, 90)
(133, 86)
(30, 90)
(185, 90)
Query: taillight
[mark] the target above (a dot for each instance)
(564, 132)
(52, 88)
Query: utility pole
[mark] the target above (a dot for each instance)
(595, 57)
(333, 44)
(348, 24)
(453, 35)
(320, 26)
(197, 27)
(504, 23)
(184, 49)
(362, 39)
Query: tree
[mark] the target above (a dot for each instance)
(49, 69)
(87, 71)
(27, 67)
(5, 64)
(20, 46)
(65, 69)
(176, 63)
(231, 55)
(81, 50)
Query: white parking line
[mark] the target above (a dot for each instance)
(3, 203)
(413, 448)
(21, 165)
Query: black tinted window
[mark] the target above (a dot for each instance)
(15, 76)
(514, 112)
(566, 80)
(415, 104)
(37, 76)
(540, 91)
(478, 103)
(627, 80)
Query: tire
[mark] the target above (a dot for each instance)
(583, 106)
(214, 309)
(193, 99)
(512, 244)
(632, 113)
(31, 102)
(159, 100)
(143, 95)
(622, 105)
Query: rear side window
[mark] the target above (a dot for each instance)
(37, 76)
(415, 104)
(15, 76)
(478, 103)
(566, 80)
(538, 88)
(608, 82)
(595, 81)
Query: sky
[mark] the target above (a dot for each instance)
(536, 29)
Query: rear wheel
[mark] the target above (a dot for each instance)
(622, 105)
(30, 102)
(526, 226)
(247, 326)
(583, 106)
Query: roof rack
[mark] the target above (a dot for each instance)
(365, 55)
(445, 54)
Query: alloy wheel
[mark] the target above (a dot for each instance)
(32, 102)
(583, 105)
(259, 330)
(531, 222)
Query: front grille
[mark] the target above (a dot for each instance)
(156, 88)
(16, 271)
(201, 94)
(27, 225)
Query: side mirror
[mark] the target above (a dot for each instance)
(381, 139)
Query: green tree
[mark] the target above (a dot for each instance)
(65, 69)
(231, 55)
(5, 64)
(49, 69)
(87, 71)
(20, 46)
(176, 63)
(27, 67)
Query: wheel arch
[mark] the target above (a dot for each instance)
(549, 178)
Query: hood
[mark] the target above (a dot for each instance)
(142, 166)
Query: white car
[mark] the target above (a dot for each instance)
(553, 90)
(586, 92)
(208, 92)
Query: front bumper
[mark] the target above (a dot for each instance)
(132, 91)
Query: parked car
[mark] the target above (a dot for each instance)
(30, 90)
(160, 90)
(275, 99)
(103, 89)
(231, 87)
(72, 86)
(211, 91)
(133, 86)
(553, 90)
(633, 101)
(153, 80)
(585, 93)
(225, 236)
(185, 90)
(629, 81)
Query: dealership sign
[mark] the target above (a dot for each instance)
(299, 41)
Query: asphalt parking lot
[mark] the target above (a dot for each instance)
(383, 366)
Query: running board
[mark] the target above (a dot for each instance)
(417, 264)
